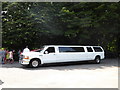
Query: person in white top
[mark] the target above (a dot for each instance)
(26, 49)
(11, 60)
(11, 55)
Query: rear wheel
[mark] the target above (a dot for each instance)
(34, 63)
(97, 60)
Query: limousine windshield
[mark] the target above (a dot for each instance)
(40, 49)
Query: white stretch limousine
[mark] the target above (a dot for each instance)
(62, 53)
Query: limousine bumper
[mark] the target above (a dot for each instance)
(24, 62)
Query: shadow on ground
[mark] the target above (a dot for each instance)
(68, 66)
(1, 82)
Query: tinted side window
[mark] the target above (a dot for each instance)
(51, 50)
(65, 49)
(71, 49)
(97, 49)
(78, 49)
(89, 49)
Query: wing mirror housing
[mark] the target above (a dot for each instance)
(46, 52)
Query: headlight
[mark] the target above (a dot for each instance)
(26, 57)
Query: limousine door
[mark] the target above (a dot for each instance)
(90, 53)
(49, 55)
(64, 57)
(79, 54)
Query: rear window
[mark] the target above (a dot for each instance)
(97, 49)
(71, 49)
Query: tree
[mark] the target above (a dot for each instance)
(79, 23)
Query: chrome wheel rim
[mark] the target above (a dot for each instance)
(97, 60)
(35, 63)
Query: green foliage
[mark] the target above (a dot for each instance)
(83, 23)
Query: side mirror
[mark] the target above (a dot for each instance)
(46, 52)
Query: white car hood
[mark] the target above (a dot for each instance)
(31, 53)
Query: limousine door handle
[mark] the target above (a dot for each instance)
(40, 55)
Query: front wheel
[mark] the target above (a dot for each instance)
(34, 63)
(97, 60)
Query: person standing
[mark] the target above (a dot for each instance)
(3, 55)
(0, 56)
(19, 52)
(7, 56)
(26, 50)
(14, 54)
(11, 57)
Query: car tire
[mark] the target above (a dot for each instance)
(34, 63)
(97, 60)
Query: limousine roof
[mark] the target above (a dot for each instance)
(69, 45)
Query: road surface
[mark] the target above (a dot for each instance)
(77, 75)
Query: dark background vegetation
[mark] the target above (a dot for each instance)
(35, 24)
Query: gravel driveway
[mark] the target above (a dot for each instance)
(77, 75)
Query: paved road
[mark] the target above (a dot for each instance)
(77, 75)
